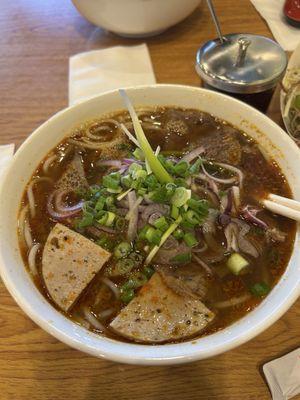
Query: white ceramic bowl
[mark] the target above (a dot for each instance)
(136, 18)
(33, 150)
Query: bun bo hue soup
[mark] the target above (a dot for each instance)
(155, 248)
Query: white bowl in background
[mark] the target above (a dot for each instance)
(17, 280)
(136, 18)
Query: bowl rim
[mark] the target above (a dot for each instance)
(143, 354)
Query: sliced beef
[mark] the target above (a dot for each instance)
(187, 280)
(69, 263)
(73, 177)
(158, 314)
(222, 146)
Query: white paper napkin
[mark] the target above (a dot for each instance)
(283, 376)
(6, 153)
(271, 10)
(97, 71)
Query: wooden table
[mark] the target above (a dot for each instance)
(36, 40)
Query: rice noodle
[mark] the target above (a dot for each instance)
(103, 127)
(203, 265)
(92, 320)
(27, 234)
(87, 145)
(32, 258)
(106, 313)
(112, 286)
(233, 169)
(212, 185)
(48, 162)
(24, 227)
(232, 302)
(30, 195)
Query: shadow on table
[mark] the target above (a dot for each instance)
(100, 38)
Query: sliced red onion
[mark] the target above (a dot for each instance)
(165, 256)
(249, 214)
(133, 220)
(59, 204)
(154, 217)
(129, 161)
(163, 209)
(170, 243)
(193, 154)
(57, 214)
(224, 219)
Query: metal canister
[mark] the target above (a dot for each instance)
(246, 66)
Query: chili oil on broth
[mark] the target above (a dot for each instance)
(176, 131)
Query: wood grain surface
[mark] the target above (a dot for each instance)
(36, 40)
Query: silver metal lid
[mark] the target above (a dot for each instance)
(244, 63)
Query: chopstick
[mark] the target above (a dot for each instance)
(283, 206)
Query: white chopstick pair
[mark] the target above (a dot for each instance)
(283, 206)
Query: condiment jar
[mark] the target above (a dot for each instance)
(245, 66)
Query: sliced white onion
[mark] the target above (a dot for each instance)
(30, 196)
(24, 227)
